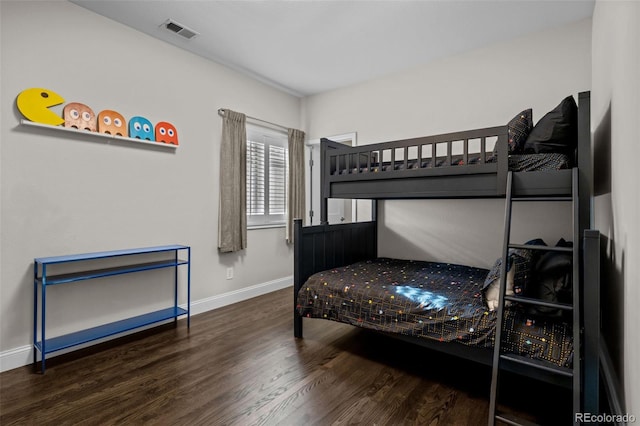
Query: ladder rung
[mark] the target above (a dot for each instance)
(561, 371)
(537, 247)
(510, 419)
(538, 302)
(542, 199)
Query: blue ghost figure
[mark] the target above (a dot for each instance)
(141, 128)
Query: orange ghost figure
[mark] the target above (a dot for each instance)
(112, 122)
(167, 133)
(79, 116)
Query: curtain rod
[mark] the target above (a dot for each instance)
(221, 112)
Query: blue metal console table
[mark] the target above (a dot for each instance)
(43, 280)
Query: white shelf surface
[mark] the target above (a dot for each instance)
(97, 135)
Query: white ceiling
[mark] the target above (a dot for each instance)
(308, 47)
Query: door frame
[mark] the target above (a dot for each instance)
(314, 144)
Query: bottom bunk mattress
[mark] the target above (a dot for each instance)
(429, 300)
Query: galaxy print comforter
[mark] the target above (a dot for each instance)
(430, 300)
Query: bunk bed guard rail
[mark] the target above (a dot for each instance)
(471, 163)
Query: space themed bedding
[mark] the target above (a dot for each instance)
(430, 300)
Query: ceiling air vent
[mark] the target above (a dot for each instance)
(179, 29)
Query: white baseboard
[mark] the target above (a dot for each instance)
(23, 355)
(16, 357)
(235, 296)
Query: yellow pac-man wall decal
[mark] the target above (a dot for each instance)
(34, 104)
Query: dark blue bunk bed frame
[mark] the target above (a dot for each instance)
(322, 247)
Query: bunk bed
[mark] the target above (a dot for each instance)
(338, 276)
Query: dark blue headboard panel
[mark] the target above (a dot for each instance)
(322, 247)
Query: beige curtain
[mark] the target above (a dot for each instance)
(295, 193)
(232, 217)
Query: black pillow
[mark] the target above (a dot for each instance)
(553, 282)
(524, 261)
(518, 128)
(557, 131)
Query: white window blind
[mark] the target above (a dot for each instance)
(267, 171)
(278, 171)
(255, 178)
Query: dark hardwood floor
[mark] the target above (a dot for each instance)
(241, 365)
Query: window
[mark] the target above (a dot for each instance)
(267, 171)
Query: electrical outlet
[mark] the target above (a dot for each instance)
(229, 273)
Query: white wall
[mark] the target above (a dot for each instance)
(64, 195)
(615, 112)
(481, 88)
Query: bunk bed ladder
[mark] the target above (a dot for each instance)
(499, 358)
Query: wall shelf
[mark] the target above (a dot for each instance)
(41, 280)
(106, 136)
